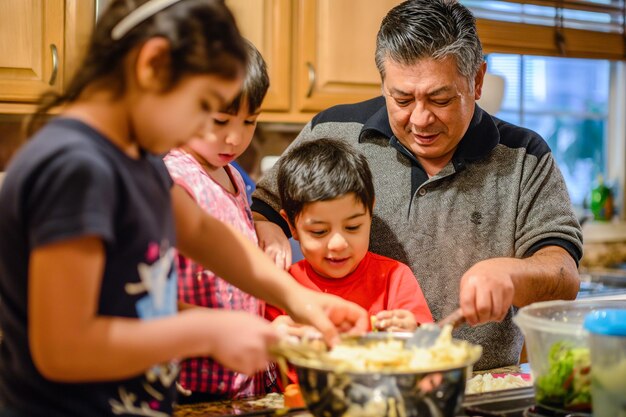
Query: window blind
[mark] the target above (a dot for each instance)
(568, 28)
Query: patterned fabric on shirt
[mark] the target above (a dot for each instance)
(199, 286)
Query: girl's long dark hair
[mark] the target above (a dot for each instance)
(203, 37)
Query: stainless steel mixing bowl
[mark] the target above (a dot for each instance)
(433, 393)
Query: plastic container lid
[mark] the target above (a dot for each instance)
(610, 322)
(562, 317)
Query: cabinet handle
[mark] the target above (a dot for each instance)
(55, 64)
(311, 69)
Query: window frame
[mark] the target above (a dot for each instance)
(582, 36)
(616, 132)
(526, 39)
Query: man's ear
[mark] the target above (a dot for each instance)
(152, 67)
(294, 232)
(478, 81)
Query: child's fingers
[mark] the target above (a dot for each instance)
(398, 322)
(396, 329)
(402, 314)
(302, 331)
(274, 243)
(258, 356)
(283, 320)
(330, 314)
(287, 259)
(281, 260)
(385, 314)
(349, 317)
(253, 365)
(385, 324)
(276, 256)
(326, 326)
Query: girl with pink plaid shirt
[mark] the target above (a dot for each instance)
(202, 168)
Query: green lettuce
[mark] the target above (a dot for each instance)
(567, 384)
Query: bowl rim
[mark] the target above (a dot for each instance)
(477, 351)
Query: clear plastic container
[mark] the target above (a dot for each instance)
(607, 343)
(558, 351)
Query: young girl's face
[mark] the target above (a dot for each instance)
(333, 235)
(228, 138)
(165, 120)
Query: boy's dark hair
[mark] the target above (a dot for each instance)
(321, 170)
(255, 84)
(203, 38)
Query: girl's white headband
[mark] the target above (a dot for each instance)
(138, 15)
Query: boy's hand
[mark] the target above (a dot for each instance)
(328, 313)
(273, 242)
(396, 321)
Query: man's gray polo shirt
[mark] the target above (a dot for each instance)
(501, 195)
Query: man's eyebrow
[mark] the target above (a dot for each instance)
(441, 90)
(396, 91)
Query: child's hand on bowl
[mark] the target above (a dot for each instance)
(395, 321)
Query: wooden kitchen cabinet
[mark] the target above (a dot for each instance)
(267, 24)
(335, 45)
(40, 45)
(319, 52)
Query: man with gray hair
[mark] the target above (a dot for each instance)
(476, 206)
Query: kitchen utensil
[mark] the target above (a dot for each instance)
(607, 345)
(330, 391)
(558, 351)
(426, 335)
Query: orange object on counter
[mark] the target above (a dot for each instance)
(293, 396)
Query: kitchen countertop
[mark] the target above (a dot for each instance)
(263, 405)
(506, 403)
(603, 283)
(272, 405)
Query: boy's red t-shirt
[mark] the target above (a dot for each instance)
(378, 283)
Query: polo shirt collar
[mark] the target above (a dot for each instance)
(379, 122)
(481, 137)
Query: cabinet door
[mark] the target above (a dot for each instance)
(31, 48)
(79, 23)
(336, 41)
(267, 24)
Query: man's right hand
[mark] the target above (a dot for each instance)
(273, 242)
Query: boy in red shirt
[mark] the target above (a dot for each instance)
(327, 198)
